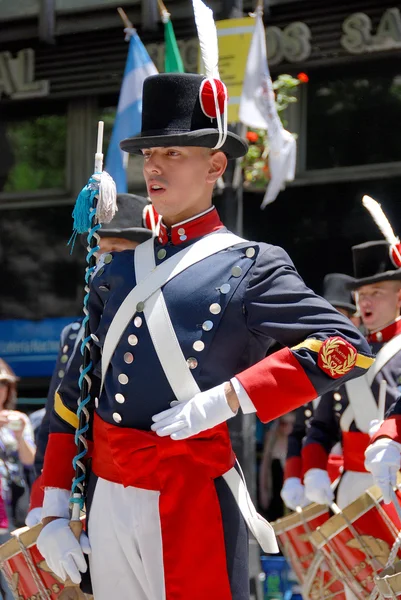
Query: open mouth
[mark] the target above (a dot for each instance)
(155, 188)
(367, 314)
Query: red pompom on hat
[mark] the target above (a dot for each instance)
(207, 97)
(395, 255)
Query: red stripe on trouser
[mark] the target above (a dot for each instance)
(354, 446)
(194, 555)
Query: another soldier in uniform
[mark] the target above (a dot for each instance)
(336, 291)
(188, 353)
(348, 413)
(125, 231)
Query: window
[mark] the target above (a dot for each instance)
(33, 152)
(43, 278)
(352, 118)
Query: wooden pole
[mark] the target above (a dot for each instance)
(162, 7)
(164, 14)
(124, 18)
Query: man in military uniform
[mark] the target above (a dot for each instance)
(125, 231)
(336, 291)
(181, 329)
(347, 415)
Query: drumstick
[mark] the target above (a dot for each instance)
(382, 400)
(71, 590)
(335, 483)
(335, 508)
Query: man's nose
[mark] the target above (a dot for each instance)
(153, 165)
(365, 302)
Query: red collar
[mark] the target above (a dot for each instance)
(387, 333)
(195, 227)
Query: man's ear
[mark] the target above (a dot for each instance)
(217, 166)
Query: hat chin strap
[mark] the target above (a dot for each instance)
(221, 123)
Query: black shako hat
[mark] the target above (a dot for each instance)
(128, 221)
(174, 113)
(337, 290)
(372, 263)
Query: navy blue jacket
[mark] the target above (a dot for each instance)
(263, 302)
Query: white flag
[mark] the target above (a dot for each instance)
(258, 110)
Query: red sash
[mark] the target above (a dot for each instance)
(183, 471)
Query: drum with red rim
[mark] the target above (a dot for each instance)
(359, 540)
(25, 569)
(318, 579)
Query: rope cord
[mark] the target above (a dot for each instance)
(84, 382)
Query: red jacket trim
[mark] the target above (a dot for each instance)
(390, 428)
(277, 384)
(58, 471)
(314, 456)
(354, 446)
(293, 467)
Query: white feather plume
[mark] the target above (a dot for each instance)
(380, 219)
(208, 41)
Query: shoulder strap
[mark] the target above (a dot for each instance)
(364, 405)
(385, 354)
(156, 279)
(162, 333)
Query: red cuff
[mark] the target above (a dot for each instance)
(58, 471)
(293, 467)
(314, 456)
(277, 384)
(37, 494)
(335, 466)
(390, 428)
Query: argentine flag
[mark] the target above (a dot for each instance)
(129, 111)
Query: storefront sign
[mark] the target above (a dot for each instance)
(359, 36)
(31, 347)
(291, 44)
(17, 76)
(235, 37)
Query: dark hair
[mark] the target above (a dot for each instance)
(8, 376)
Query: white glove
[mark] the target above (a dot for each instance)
(63, 553)
(33, 517)
(318, 486)
(203, 411)
(293, 493)
(382, 459)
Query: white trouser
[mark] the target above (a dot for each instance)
(124, 530)
(352, 485)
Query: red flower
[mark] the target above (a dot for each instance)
(252, 137)
(303, 77)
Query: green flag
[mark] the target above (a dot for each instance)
(172, 58)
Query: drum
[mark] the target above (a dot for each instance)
(388, 582)
(25, 569)
(311, 568)
(359, 539)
